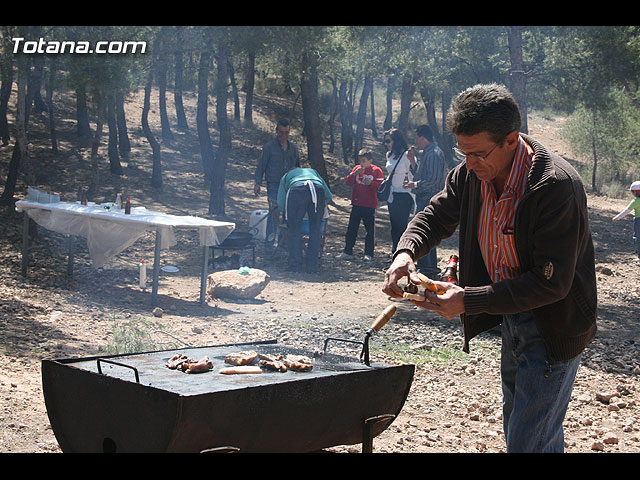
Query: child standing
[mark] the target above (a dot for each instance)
(365, 179)
(634, 206)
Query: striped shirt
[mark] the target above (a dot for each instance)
(497, 217)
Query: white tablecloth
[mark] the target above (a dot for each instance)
(109, 232)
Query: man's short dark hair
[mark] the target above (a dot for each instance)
(425, 131)
(484, 108)
(282, 123)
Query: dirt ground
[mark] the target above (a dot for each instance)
(454, 404)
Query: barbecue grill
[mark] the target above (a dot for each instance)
(134, 403)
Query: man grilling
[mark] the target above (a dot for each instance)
(526, 261)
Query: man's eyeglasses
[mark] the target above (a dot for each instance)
(482, 158)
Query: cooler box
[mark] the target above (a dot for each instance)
(258, 224)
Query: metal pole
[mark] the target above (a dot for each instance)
(205, 271)
(70, 245)
(156, 269)
(25, 243)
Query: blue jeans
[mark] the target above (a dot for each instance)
(299, 204)
(368, 217)
(428, 264)
(272, 227)
(636, 234)
(399, 211)
(535, 393)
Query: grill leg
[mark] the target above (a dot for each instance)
(367, 434)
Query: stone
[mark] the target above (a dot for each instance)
(232, 284)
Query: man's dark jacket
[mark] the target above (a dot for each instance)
(553, 240)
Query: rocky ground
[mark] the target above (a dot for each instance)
(454, 404)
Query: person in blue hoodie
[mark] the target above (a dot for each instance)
(303, 191)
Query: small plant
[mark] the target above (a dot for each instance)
(129, 336)
(443, 355)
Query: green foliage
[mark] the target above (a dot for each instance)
(608, 134)
(443, 355)
(129, 336)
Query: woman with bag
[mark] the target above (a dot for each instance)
(401, 201)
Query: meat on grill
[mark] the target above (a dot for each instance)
(241, 358)
(298, 363)
(188, 365)
(271, 362)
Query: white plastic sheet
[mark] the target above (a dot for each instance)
(109, 232)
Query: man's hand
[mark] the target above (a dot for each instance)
(256, 190)
(402, 266)
(449, 304)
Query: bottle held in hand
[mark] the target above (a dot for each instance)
(450, 274)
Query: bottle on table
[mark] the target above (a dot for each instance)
(127, 206)
(143, 274)
(119, 200)
(450, 274)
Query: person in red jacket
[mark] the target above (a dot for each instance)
(365, 179)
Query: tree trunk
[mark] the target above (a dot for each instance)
(82, 114)
(374, 130)
(6, 72)
(594, 150)
(388, 118)
(234, 90)
(406, 96)
(161, 62)
(52, 121)
(178, 80)
(115, 167)
(206, 149)
(124, 145)
(345, 124)
(94, 181)
(362, 116)
(447, 138)
(332, 115)
(518, 77)
(156, 172)
(35, 78)
(249, 86)
(311, 113)
(217, 196)
(20, 150)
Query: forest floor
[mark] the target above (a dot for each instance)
(454, 404)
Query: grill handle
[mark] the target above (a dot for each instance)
(382, 319)
(135, 370)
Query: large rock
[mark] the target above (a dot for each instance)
(231, 284)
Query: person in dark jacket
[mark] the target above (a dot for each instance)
(428, 179)
(526, 261)
(278, 156)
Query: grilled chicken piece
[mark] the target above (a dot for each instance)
(202, 365)
(241, 358)
(298, 363)
(176, 362)
(188, 365)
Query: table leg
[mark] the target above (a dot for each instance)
(25, 243)
(156, 269)
(205, 271)
(70, 247)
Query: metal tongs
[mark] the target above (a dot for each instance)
(378, 323)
